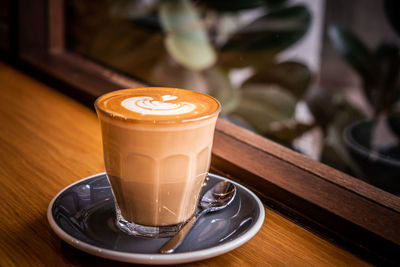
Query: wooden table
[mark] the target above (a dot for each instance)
(48, 141)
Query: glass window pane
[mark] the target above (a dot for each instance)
(320, 77)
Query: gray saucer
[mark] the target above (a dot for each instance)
(83, 215)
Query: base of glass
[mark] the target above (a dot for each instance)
(144, 230)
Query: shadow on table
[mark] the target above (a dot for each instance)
(78, 257)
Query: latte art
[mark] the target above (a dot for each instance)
(158, 105)
(146, 105)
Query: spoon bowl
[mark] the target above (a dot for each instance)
(216, 198)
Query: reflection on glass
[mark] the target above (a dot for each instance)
(321, 77)
(362, 67)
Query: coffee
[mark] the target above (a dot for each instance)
(158, 105)
(157, 146)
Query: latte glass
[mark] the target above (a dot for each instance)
(157, 148)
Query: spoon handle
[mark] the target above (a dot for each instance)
(176, 240)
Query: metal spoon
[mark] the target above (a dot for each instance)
(216, 198)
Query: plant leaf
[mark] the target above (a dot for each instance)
(262, 106)
(388, 91)
(334, 151)
(346, 115)
(293, 76)
(357, 55)
(285, 132)
(322, 105)
(242, 59)
(221, 88)
(132, 10)
(335, 154)
(275, 31)
(237, 5)
(187, 40)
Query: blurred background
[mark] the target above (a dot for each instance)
(320, 77)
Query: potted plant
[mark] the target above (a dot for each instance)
(213, 42)
(374, 142)
(208, 44)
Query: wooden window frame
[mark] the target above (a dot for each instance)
(339, 207)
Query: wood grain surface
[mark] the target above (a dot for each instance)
(48, 141)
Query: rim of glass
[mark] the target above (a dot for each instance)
(172, 121)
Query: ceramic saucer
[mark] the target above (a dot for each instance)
(83, 215)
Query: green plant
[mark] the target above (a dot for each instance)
(199, 38)
(379, 70)
(229, 49)
(266, 100)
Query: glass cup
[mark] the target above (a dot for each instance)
(156, 166)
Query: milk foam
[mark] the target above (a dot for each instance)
(146, 105)
(157, 105)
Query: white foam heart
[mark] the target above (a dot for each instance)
(148, 106)
(169, 97)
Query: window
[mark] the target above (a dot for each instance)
(261, 61)
(333, 203)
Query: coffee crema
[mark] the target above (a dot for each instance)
(158, 104)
